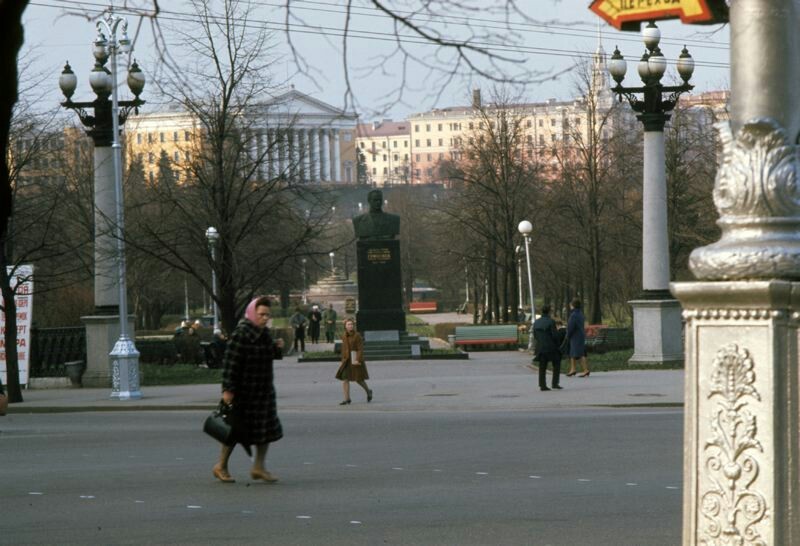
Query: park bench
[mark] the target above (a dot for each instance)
(496, 334)
(600, 339)
(422, 307)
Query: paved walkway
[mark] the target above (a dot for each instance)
(497, 380)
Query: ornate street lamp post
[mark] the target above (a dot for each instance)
(656, 314)
(104, 128)
(525, 228)
(213, 236)
(331, 255)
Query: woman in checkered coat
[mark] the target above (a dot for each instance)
(247, 383)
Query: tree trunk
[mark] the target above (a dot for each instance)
(10, 334)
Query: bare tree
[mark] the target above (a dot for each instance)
(228, 183)
(496, 180)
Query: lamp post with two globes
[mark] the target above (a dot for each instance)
(213, 237)
(104, 129)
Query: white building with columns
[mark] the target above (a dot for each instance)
(293, 136)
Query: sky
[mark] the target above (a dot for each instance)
(537, 49)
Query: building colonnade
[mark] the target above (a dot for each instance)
(310, 154)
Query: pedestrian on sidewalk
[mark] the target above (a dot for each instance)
(576, 337)
(352, 367)
(314, 322)
(329, 318)
(547, 348)
(299, 322)
(247, 383)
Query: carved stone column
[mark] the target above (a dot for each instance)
(306, 155)
(270, 147)
(295, 154)
(337, 156)
(325, 145)
(741, 445)
(315, 160)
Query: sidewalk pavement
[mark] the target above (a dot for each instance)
(491, 381)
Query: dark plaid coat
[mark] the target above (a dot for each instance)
(248, 375)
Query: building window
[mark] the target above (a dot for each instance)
(186, 155)
(529, 124)
(395, 170)
(541, 123)
(416, 173)
(175, 136)
(405, 144)
(427, 126)
(441, 155)
(384, 157)
(374, 170)
(383, 144)
(385, 170)
(429, 143)
(416, 128)
(529, 138)
(362, 145)
(152, 177)
(161, 137)
(177, 156)
(471, 126)
(186, 136)
(395, 157)
(441, 142)
(138, 138)
(416, 157)
(416, 143)
(552, 122)
(541, 140)
(430, 172)
(150, 158)
(430, 157)
(373, 147)
(440, 126)
(394, 144)
(406, 157)
(149, 138)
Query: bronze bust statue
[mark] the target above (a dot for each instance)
(376, 224)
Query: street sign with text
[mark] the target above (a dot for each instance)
(627, 14)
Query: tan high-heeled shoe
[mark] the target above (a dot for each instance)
(260, 474)
(222, 474)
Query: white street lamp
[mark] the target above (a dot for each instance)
(525, 228)
(331, 255)
(517, 257)
(107, 118)
(186, 298)
(213, 236)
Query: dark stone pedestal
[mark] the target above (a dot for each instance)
(380, 293)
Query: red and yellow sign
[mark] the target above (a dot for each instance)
(622, 12)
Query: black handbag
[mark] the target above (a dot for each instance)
(219, 425)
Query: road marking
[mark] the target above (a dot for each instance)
(482, 473)
(671, 487)
(308, 463)
(355, 522)
(193, 506)
(535, 477)
(437, 470)
(35, 493)
(87, 496)
(178, 458)
(351, 465)
(397, 468)
(303, 517)
(631, 483)
(247, 511)
(584, 480)
(138, 502)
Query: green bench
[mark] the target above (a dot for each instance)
(496, 334)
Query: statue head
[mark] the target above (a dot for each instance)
(375, 200)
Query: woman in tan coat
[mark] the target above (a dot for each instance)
(352, 369)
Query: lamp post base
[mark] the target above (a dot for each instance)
(657, 339)
(125, 371)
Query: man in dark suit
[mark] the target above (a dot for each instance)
(547, 349)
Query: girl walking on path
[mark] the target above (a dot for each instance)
(247, 383)
(576, 337)
(352, 367)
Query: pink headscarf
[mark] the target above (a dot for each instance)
(250, 311)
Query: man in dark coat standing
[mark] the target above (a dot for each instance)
(547, 350)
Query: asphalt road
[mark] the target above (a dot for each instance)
(527, 477)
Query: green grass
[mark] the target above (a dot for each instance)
(177, 374)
